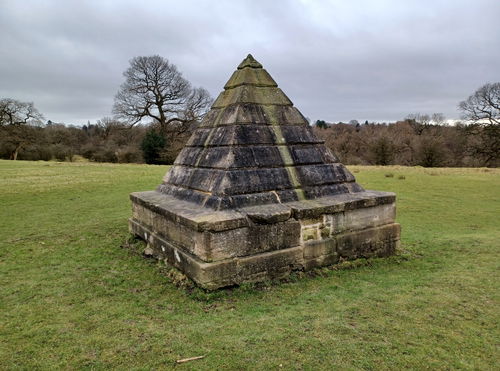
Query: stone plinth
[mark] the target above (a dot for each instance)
(228, 247)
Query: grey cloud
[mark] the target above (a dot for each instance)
(336, 60)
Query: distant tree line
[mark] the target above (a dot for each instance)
(412, 143)
(156, 110)
(108, 140)
(423, 139)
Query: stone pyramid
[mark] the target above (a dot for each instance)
(253, 148)
(255, 195)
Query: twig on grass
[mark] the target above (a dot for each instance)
(189, 359)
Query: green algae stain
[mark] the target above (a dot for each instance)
(284, 151)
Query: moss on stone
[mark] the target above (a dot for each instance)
(250, 76)
(265, 95)
(325, 232)
(249, 61)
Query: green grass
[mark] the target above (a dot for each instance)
(70, 297)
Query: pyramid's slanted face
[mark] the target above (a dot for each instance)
(252, 148)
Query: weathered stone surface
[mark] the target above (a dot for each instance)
(319, 174)
(374, 242)
(198, 138)
(250, 199)
(275, 236)
(255, 195)
(251, 94)
(252, 142)
(309, 154)
(360, 218)
(201, 179)
(328, 205)
(299, 135)
(283, 115)
(241, 113)
(189, 156)
(270, 265)
(268, 214)
(329, 190)
(231, 157)
(262, 263)
(182, 212)
(320, 253)
(234, 135)
(250, 76)
(248, 181)
(249, 61)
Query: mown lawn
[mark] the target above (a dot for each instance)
(70, 297)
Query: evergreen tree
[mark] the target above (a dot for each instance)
(321, 124)
(152, 146)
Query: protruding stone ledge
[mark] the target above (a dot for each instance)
(334, 204)
(268, 214)
(206, 219)
(252, 94)
(188, 213)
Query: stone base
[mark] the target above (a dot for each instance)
(224, 248)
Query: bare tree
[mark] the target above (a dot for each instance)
(482, 110)
(419, 122)
(483, 106)
(155, 89)
(17, 123)
(108, 126)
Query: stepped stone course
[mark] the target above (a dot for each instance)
(255, 194)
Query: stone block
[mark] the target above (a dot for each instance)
(214, 246)
(189, 156)
(268, 214)
(316, 249)
(253, 76)
(229, 157)
(275, 236)
(251, 199)
(278, 115)
(211, 118)
(241, 114)
(216, 157)
(251, 94)
(182, 212)
(361, 218)
(269, 265)
(299, 134)
(250, 181)
(306, 154)
(309, 234)
(199, 137)
(373, 242)
(328, 205)
(235, 134)
(319, 174)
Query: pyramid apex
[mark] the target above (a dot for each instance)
(249, 61)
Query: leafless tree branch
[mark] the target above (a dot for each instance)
(154, 89)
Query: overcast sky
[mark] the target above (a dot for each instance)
(336, 60)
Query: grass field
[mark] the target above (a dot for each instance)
(70, 297)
